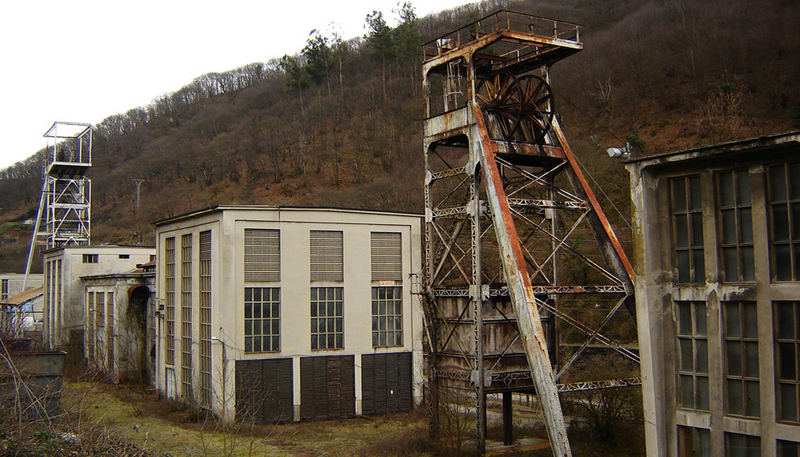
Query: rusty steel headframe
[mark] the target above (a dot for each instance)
(509, 216)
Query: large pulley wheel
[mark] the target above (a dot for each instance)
(519, 108)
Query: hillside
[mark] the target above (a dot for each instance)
(340, 123)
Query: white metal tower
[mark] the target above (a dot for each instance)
(64, 216)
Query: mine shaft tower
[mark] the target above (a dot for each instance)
(516, 243)
(64, 216)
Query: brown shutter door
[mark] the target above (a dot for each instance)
(327, 387)
(264, 390)
(386, 382)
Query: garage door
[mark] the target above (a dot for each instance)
(264, 390)
(386, 382)
(327, 387)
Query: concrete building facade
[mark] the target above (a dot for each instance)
(11, 283)
(64, 295)
(284, 313)
(119, 317)
(717, 262)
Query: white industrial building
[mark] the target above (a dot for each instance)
(285, 313)
(717, 263)
(64, 294)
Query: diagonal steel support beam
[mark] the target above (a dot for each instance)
(521, 292)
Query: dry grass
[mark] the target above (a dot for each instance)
(135, 415)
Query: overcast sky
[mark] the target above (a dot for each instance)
(83, 60)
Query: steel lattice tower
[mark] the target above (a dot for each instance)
(64, 216)
(516, 243)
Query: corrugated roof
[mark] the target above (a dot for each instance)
(23, 297)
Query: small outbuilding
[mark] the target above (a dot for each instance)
(272, 313)
(119, 335)
(64, 294)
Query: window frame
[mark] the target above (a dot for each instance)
(690, 210)
(336, 318)
(396, 318)
(744, 340)
(790, 203)
(793, 342)
(696, 337)
(271, 321)
(741, 208)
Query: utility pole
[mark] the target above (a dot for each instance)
(138, 182)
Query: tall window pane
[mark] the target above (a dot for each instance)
(186, 316)
(787, 360)
(262, 319)
(387, 316)
(692, 355)
(327, 318)
(205, 319)
(687, 229)
(784, 212)
(741, 359)
(169, 299)
(735, 226)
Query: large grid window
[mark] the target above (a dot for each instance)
(169, 300)
(186, 315)
(735, 226)
(687, 229)
(692, 355)
(59, 303)
(741, 359)
(327, 318)
(387, 316)
(387, 256)
(99, 326)
(787, 360)
(262, 255)
(262, 319)
(737, 445)
(694, 442)
(110, 329)
(784, 210)
(90, 325)
(205, 319)
(327, 256)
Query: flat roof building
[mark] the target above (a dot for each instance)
(284, 313)
(64, 298)
(717, 277)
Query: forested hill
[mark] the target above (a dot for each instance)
(340, 122)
